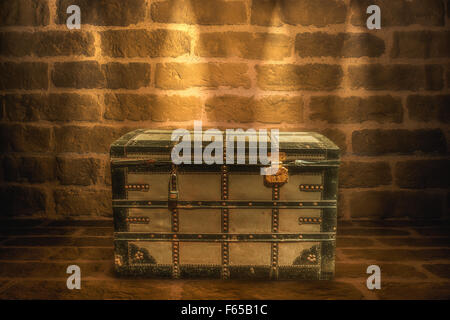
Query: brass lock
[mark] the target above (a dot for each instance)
(279, 178)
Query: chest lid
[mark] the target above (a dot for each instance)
(157, 145)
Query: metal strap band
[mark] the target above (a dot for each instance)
(229, 237)
(225, 218)
(275, 221)
(229, 204)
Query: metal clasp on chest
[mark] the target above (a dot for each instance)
(282, 175)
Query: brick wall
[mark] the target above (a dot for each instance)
(383, 96)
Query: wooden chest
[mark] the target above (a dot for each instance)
(224, 221)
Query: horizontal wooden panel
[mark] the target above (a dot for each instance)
(200, 220)
(199, 186)
(158, 220)
(252, 254)
(291, 190)
(248, 187)
(158, 186)
(250, 220)
(289, 220)
(201, 253)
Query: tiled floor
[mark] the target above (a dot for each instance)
(414, 258)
